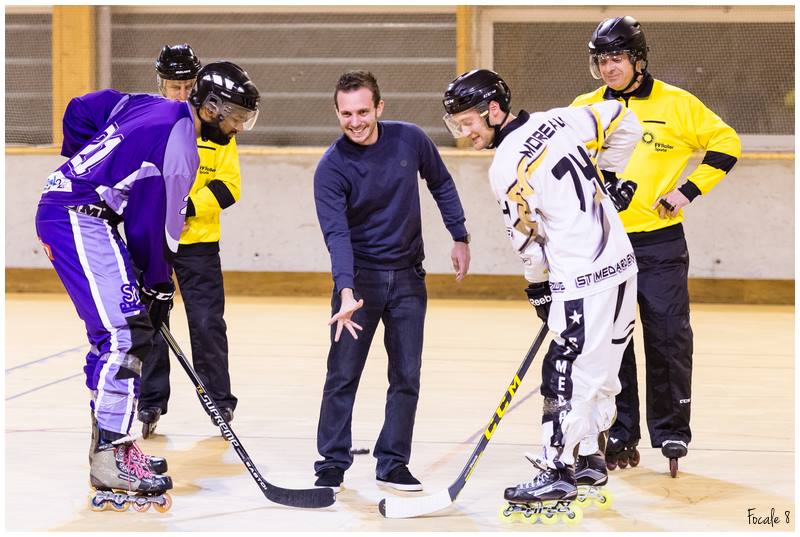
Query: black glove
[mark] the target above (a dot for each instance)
(158, 301)
(540, 298)
(620, 191)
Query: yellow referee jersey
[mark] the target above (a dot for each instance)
(218, 186)
(675, 123)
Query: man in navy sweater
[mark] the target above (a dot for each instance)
(368, 206)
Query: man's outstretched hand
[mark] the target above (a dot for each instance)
(343, 318)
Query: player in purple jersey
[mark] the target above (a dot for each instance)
(135, 168)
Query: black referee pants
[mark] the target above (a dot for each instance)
(663, 296)
(200, 280)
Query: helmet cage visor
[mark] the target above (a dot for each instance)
(455, 126)
(223, 110)
(596, 58)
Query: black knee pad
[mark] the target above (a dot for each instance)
(142, 334)
(141, 346)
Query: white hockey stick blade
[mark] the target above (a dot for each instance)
(395, 507)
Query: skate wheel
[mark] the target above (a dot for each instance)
(96, 504)
(573, 516)
(141, 507)
(584, 496)
(673, 467)
(148, 429)
(119, 507)
(622, 463)
(506, 513)
(635, 458)
(164, 507)
(611, 465)
(603, 500)
(530, 517)
(548, 518)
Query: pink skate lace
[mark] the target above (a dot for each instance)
(135, 462)
(141, 457)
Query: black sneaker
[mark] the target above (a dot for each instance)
(330, 477)
(401, 479)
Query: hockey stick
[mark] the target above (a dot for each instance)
(397, 507)
(312, 498)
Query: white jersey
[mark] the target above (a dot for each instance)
(558, 217)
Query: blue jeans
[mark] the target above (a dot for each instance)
(398, 298)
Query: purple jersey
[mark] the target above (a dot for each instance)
(85, 115)
(141, 163)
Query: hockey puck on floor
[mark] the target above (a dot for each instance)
(359, 451)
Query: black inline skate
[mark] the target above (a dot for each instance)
(548, 497)
(227, 415)
(591, 476)
(674, 450)
(149, 417)
(619, 454)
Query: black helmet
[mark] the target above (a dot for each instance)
(620, 34)
(474, 88)
(225, 89)
(226, 81)
(177, 62)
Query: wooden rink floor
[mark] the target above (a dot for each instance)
(742, 456)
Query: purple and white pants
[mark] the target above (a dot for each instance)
(93, 263)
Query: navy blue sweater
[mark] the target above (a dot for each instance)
(367, 200)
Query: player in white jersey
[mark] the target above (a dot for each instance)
(561, 217)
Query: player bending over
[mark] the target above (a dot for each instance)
(577, 259)
(133, 159)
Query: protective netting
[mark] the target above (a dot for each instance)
(29, 106)
(295, 60)
(744, 72)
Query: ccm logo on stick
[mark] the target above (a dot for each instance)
(501, 409)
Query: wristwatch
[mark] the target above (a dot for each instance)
(465, 239)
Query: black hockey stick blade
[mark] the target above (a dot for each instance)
(316, 498)
(403, 507)
(309, 498)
